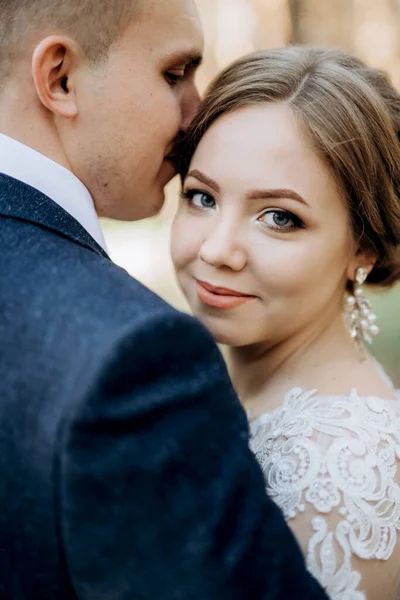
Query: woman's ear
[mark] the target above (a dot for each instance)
(362, 258)
(53, 68)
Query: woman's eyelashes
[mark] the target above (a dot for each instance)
(276, 219)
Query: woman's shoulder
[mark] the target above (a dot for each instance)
(324, 450)
(331, 464)
(307, 412)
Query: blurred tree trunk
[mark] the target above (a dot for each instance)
(378, 34)
(323, 23)
(207, 10)
(273, 23)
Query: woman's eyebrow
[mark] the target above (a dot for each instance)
(204, 179)
(278, 193)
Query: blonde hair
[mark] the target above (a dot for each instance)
(351, 113)
(93, 24)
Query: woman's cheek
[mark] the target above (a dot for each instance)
(183, 243)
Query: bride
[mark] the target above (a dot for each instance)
(290, 208)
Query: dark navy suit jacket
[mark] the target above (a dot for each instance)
(125, 470)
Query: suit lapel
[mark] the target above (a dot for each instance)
(21, 201)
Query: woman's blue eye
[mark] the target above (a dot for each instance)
(200, 199)
(280, 219)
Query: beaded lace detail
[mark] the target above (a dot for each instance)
(337, 459)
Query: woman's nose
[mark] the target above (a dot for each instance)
(222, 248)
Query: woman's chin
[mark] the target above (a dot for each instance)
(224, 335)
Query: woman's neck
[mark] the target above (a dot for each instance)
(262, 374)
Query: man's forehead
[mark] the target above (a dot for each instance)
(174, 29)
(186, 33)
(177, 15)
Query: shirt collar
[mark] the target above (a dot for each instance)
(61, 185)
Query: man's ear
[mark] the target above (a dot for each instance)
(53, 68)
(362, 258)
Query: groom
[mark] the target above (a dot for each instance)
(125, 469)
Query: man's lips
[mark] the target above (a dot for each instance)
(220, 297)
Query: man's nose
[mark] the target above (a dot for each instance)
(190, 105)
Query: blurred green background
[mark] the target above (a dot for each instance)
(369, 29)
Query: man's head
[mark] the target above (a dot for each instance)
(104, 87)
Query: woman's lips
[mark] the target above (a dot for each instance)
(218, 297)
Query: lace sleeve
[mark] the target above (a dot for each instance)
(331, 464)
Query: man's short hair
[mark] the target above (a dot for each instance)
(93, 24)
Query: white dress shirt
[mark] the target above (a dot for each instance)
(29, 166)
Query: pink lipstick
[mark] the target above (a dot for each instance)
(220, 297)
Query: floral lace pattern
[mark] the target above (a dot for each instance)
(338, 454)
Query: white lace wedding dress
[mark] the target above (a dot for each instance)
(332, 464)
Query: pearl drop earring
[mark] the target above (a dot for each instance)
(360, 319)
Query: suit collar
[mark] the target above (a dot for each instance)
(21, 201)
(54, 181)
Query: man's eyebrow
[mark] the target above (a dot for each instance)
(193, 58)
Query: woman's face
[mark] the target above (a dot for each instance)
(261, 243)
